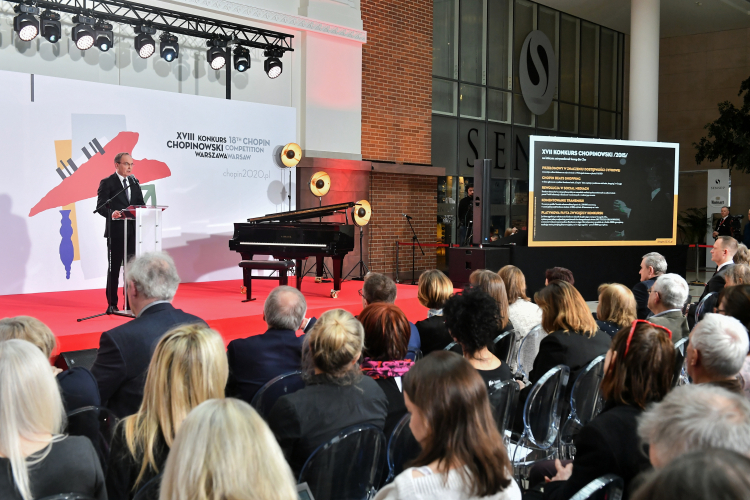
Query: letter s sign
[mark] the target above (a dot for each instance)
(537, 70)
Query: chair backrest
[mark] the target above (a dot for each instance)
(348, 467)
(528, 350)
(706, 305)
(67, 496)
(402, 447)
(679, 376)
(585, 397)
(607, 487)
(504, 346)
(96, 423)
(504, 399)
(541, 412)
(282, 385)
(150, 490)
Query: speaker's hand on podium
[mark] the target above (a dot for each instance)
(117, 214)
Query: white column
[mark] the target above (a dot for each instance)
(644, 70)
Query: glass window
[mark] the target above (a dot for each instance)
(445, 38)
(549, 119)
(445, 143)
(472, 41)
(588, 121)
(500, 20)
(525, 14)
(547, 23)
(444, 96)
(608, 73)
(569, 46)
(498, 106)
(620, 64)
(471, 146)
(568, 118)
(522, 115)
(472, 101)
(589, 64)
(607, 128)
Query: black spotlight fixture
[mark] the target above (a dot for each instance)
(50, 27)
(25, 23)
(272, 65)
(217, 54)
(83, 32)
(105, 37)
(169, 49)
(144, 42)
(241, 59)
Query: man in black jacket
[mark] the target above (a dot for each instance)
(108, 188)
(653, 265)
(723, 225)
(125, 352)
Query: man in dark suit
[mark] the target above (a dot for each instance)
(125, 352)
(255, 360)
(653, 265)
(108, 188)
(666, 298)
(721, 254)
(723, 225)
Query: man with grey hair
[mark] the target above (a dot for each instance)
(665, 299)
(716, 351)
(255, 360)
(380, 288)
(653, 265)
(695, 417)
(125, 352)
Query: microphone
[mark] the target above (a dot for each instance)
(133, 179)
(407, 216)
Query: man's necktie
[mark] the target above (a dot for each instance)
(127, 191)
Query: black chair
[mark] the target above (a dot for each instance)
(348, 467)
(150, 490)
(282, 385)
(402, 448)
(67, 496)
(96, 423)
(607, 487)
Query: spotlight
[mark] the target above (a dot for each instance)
(83, 33)
(217, 54)
(241, 59)
(105, 38)
(272, 65)
(144, 42)
(169, 49)
(25, 24)
(49, 25)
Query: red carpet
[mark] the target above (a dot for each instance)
(217, 302)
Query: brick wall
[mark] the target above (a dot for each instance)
(397, 81)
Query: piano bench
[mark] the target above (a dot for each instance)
(282, 266)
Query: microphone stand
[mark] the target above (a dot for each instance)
(413, 250)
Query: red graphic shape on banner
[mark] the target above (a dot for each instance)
(84, 182)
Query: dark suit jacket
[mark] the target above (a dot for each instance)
(723, 227)
(433, 334)
(675, 321)
(609, 444)
(640, 291)
(107, 188)
(717, 282)
(125, 352)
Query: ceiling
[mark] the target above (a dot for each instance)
(678, 17)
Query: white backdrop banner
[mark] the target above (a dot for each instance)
(209, 160)
(716, 197)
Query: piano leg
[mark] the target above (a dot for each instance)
(247, 279)
(338, 264)
(300, 271)
(319, 261)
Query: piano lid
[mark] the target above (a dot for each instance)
(307, 213)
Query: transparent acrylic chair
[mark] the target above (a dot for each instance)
(348, 467)
(706, 305)
(585, 403)
(607, 487)
(402, 447)
(528, 350)
(680, 371)
(282, 385)
(504, 346)
(504, 399)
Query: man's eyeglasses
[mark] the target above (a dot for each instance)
(360, 293)
(632, 331)
(125, 163)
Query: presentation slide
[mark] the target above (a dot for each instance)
(602, 192)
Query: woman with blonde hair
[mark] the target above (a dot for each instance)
(35, 459)
(224, 450)
(435, 288)
(336, 394)
(188, 367)
(616, 308)
(738, 274)
(523, 313)
(742, 256)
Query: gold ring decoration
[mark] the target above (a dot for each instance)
(361, 213)
(320, 183)
(291, 154)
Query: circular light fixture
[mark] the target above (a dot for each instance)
(291, 154)
(216, 54)
(169, 49)
(145, 45)
(273, 67)
(83, 35)
(320, 184)
(361, 212)
(50, 27)
(241, 59)
(26, 25)
(104, 36)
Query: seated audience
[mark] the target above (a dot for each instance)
(716, 351)
(695, 418)
(638, 371)
(653, 265)
(523, 313)
(255, 360)
(738, 274)
(384, 355)
(188, 367)
(434, 289)
(224, 450)
(125, 351)
(734, 301)
(463, 456)
(336, 394)
(36, 460)
(558, 273)
(666, 298)
(716, 474)
(616, 308)
(473, 317)
(380, 288)
(742, 256)
(492, 284)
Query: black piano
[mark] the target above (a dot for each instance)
(285, 237)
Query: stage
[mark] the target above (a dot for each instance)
(219, 303)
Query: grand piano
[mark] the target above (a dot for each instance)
(285, 237)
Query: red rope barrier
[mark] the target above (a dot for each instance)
(427, 244)
(700, 246)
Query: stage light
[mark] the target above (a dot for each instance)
(169, 49)
(217, 55)
(49, 25)
(144, 42)
(105, 37)
(272, 65)
(25, 23)
(241, 59)
(83, 33)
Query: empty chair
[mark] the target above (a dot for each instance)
(96, 423)
(402, 448)
(607, 487)
(282, 385)
(528, 350)
(585, 403)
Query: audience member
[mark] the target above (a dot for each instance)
(616, 308)
(523, 313)
(738, 274)
(36, 460)
(721, 254)
(472, 317)
(380, 288)
(336, 394)
(716, 351)
(434, 289)
(125, 351)
(384, 355)
(492, 284)
(666, 298)
(224, 450)
(188, 367)
(558, 273)
(638, 371)
(716, 474)
(742, 256)
(695, 418)
(255, 360)
(463, 456)
(735, 301)
(653, 265)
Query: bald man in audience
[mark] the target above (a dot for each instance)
(716, 352)
(665, 299)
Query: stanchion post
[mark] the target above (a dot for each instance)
(397, 249)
